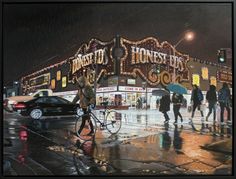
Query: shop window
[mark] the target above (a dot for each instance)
(64, 82)
(53, 84)
(213, 80)
(58, 75)
(204, 73)
(196, 79)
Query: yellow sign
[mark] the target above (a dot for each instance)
(205, 73)
(64, 82)
(58, 75)
(213, 80)
(53, 83)
(196, 79)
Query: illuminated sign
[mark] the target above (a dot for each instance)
(41, 80)
(64, 82)
(131, 81)
(107, 89)
(58, 75)
(224, 76)
(213, 80)
(196, 79)
(96, 57)
(90, 59)
(204, 73)
(142, 58)
(135, 89)
(53, 83)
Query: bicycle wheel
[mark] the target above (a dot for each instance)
(85, 133)
(113, 121)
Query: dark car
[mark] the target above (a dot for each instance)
(46, 106)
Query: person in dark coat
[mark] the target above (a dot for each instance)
(177, 100)
(212, 99)
(86, 97)
(224, 100)
(196, 99)
(165, 106)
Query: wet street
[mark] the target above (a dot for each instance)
(143, 146)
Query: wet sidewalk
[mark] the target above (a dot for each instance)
(143, 146)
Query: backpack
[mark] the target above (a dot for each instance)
(223, 95)
(200, 95)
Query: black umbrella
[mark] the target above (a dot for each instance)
(160, 92)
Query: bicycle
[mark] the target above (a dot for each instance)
(109, 120)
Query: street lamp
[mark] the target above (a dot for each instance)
(188, 36)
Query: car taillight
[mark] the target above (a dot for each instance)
(19, 106)
(5, 102)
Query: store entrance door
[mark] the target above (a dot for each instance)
(131, 99)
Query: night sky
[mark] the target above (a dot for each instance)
(33, 33)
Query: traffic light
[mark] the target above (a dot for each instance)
(221, 56)
(158, 69)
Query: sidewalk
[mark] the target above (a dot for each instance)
(224, 146)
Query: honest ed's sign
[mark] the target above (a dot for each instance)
(143, 57)
(92, 60)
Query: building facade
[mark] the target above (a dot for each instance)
(121, 71)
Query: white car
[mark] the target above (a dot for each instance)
(9, 102)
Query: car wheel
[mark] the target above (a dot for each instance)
(36, 113)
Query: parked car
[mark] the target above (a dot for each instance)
(46, 106)
(10, 101)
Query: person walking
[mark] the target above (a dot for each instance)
(196, 100)
(87, 97)
(224, 100)
(139, 103)
(212, 99)
(177, 100)
(165, 106)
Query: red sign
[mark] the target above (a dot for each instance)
(224, 76)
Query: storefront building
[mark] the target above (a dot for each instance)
(122, 71)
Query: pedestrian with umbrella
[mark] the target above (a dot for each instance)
(165, 105)
(177, 100)
(177, 88)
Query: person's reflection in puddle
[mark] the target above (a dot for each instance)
(222, 132)
(40, 125)
(178, 141)
(165, 139)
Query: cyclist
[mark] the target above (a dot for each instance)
(87, 97)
